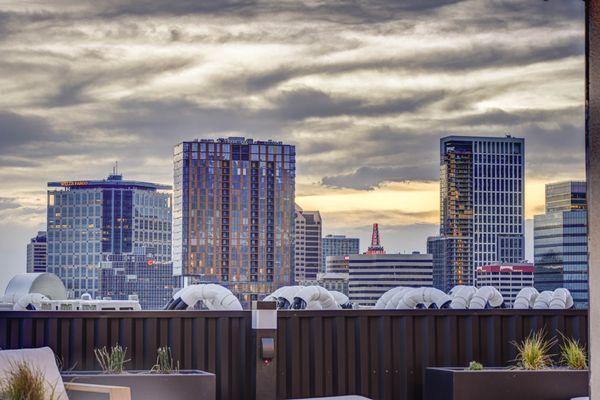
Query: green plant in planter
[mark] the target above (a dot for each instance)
(533, 353)
(475, 366)
(113, 360)
(572, 354)
(23, 382)
(164, 362)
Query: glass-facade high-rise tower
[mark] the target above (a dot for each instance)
(90, 220)
(233, 217)
(560, 241)
(482, 201)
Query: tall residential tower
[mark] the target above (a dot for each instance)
(233, 217)
(482, 201)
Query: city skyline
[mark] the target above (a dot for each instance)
(83, 106)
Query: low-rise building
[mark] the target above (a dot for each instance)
(337, 264)
(138, 274)
(371, 275)
(508, 279)
(330, 281)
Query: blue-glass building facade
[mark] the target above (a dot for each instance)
(88, 221)
(233, 220)
(338, 245)
(139, 274)
(560, 241)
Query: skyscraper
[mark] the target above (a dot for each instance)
(338, 245)
(90, 220)
(307, 245)
(560, 241)
(482, 203)
(233, 220)
(37, 257)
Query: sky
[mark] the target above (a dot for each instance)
(364, 89)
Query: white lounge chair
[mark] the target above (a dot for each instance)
(43, 359)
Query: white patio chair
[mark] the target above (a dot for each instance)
(43, 360)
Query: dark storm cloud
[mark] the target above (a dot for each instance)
(305, 103)
(18, 130)
(366, 178)
(441, 60)
(72, 89)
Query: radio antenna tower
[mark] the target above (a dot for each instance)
(375, 247)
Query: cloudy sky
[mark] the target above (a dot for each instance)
(364, 89)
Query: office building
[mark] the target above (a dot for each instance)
(330, 281)
(37, 257)
(371, 275)
(482, 203)
(337, 264)
(140, 275)
(90, 220)
(508, 279)
(338, 245)
(560, 241)
(233, 220)
(307, 245)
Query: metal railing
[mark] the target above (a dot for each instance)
(376, 353)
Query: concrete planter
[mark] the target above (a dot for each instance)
(504, 384)
(185, 385)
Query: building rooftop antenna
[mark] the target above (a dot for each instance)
(375, 247)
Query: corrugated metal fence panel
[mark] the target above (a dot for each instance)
(219, 342)
(378, 354)
(383, 354)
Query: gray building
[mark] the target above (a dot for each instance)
(233, 214)
(139, 274)
(307, 244)
(337, 264)
(338, 245)
(560, 241)
(91, 220)
(37, 256)
(371, 275)
(482, 206)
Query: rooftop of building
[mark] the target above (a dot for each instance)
(114, 181)
(234, 140)
(505, 138)
(507, 268)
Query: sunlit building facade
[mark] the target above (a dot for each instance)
(233, 220)
(90, 220)
(482, 203)
(560, 241)
(307, 244)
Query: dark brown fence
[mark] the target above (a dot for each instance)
(219, 342)
(378, 354)
(383, 354)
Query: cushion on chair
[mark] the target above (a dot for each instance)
(41, 359)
